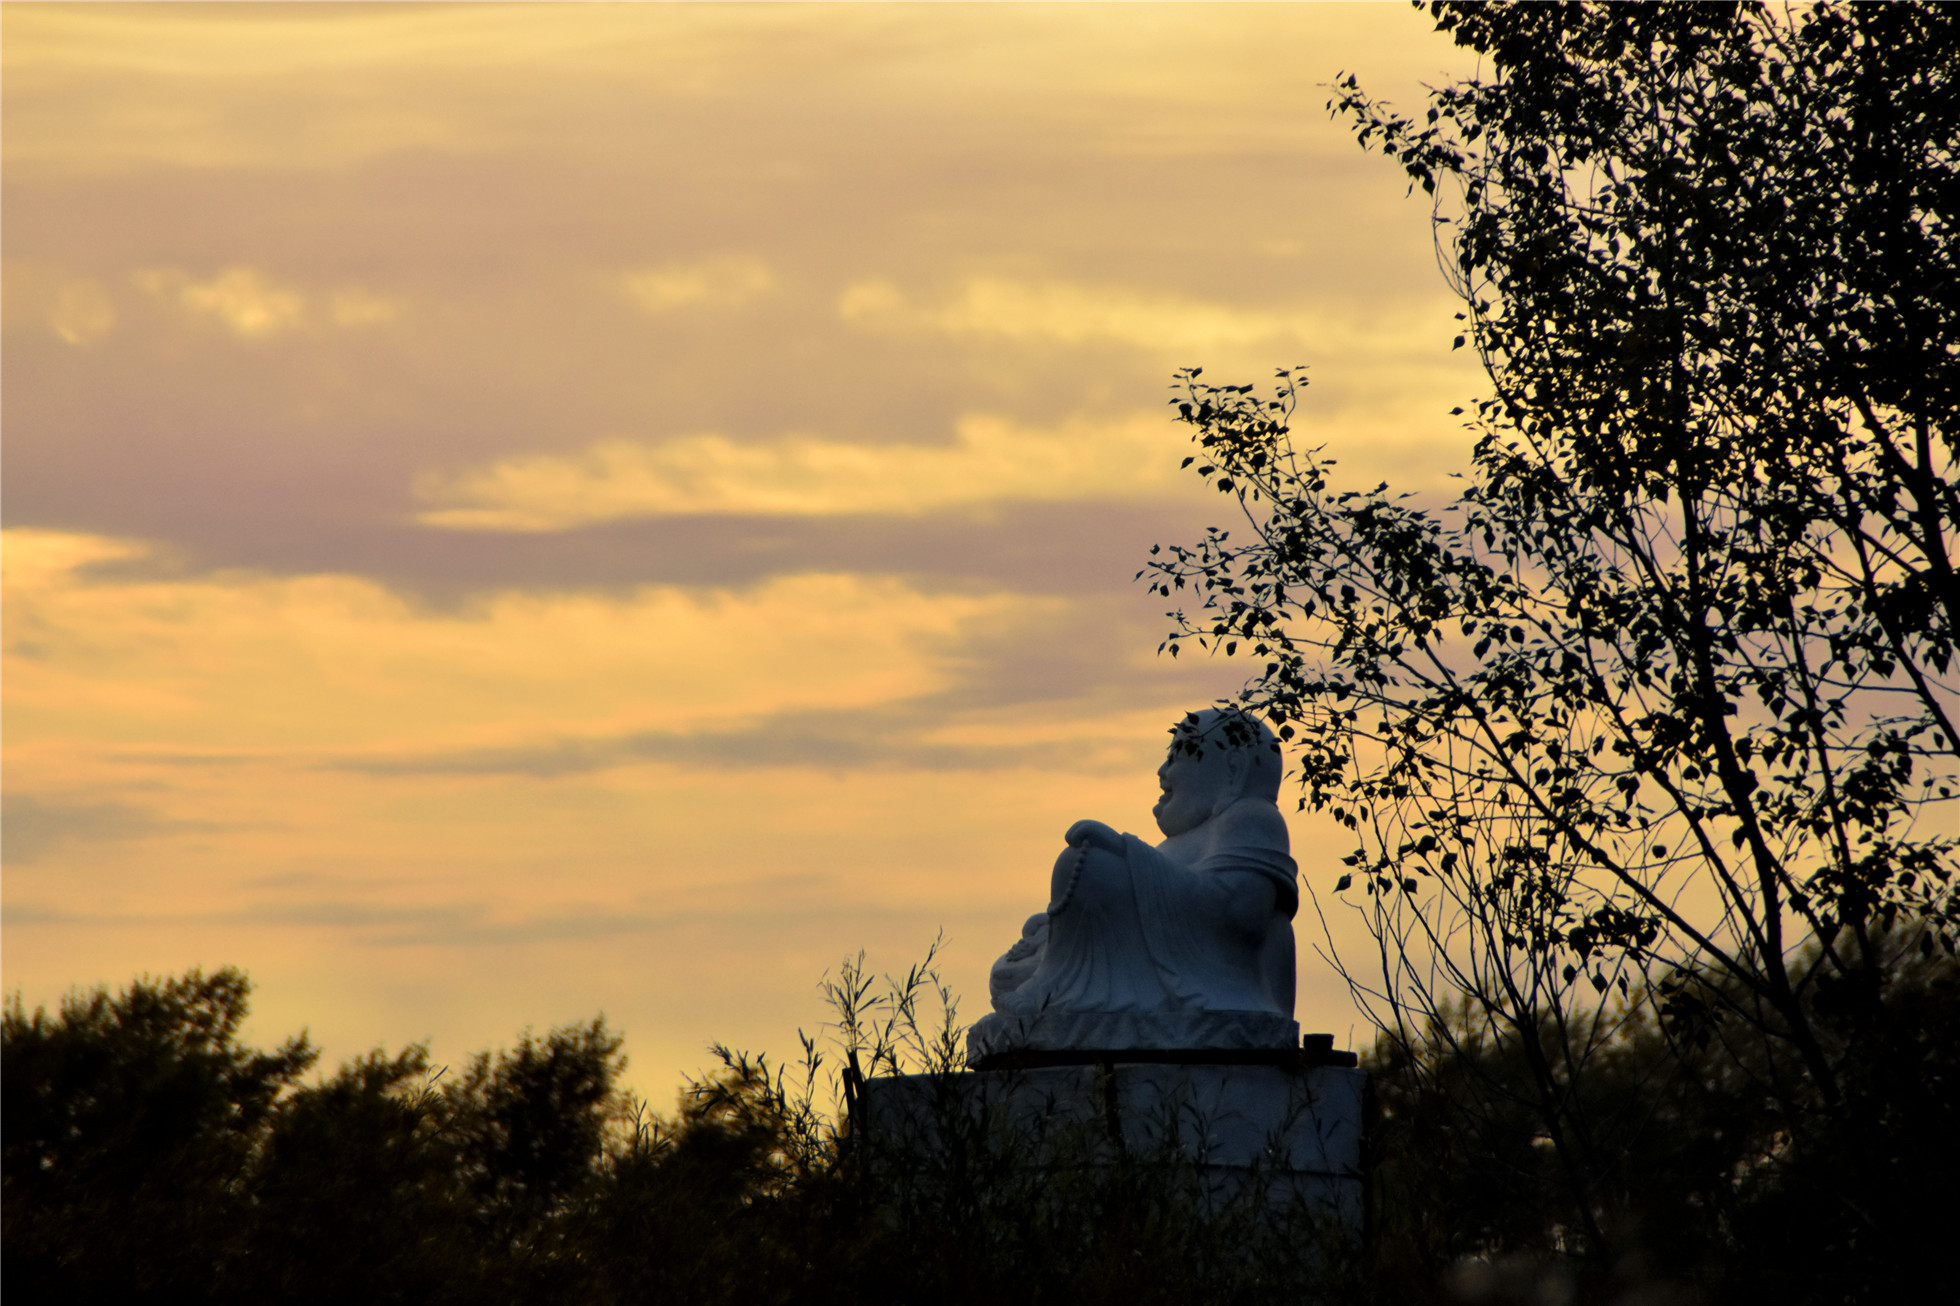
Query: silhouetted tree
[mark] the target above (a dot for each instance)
(1709, 1194)
(1664, 700)
(149, 1156)
(358, 1195)
(531, 1124)
(130, 1127)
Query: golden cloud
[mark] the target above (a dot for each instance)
(109, 88)
(190, 733)
(713, 283)
(82, 312)
(306, 663)
(384, 79)
(1068, 313)
(242, 299)
(249, 304)
(991, 461)
(225, 739)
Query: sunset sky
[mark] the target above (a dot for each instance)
(519, 512)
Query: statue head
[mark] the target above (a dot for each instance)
(1216, 757)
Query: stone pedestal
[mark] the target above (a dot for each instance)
(1282, 1140)
(1220, 1037)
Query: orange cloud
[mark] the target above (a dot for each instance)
(251, 305)
(991, 460)
(313, 777)
(679, 803)
(1066, 313)
(716, 283)
(1071, 313)
(310, 663)
(242, 299)
(82, 312)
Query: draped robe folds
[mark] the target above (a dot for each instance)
(1138, 931)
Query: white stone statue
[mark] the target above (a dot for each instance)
(1184, 946)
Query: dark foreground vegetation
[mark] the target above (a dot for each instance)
(150, 1157)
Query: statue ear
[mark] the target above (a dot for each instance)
(1235, 775)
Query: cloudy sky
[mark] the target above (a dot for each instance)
(517, 512)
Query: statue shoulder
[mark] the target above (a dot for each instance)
(1254, 821)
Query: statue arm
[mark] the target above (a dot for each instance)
(1095, 834)
(1082, 838)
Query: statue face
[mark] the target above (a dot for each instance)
(1192, 787)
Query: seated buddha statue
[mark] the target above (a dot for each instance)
(1187, 944)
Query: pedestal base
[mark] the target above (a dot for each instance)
(1286, 1141)
(1000, 1040)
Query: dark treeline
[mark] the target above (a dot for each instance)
(150, 1156)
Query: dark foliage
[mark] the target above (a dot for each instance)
(137, 1119)
(150, 1157)
(1711, 1197)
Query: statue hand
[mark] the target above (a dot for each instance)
(1020, 962)
(1093, 834)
